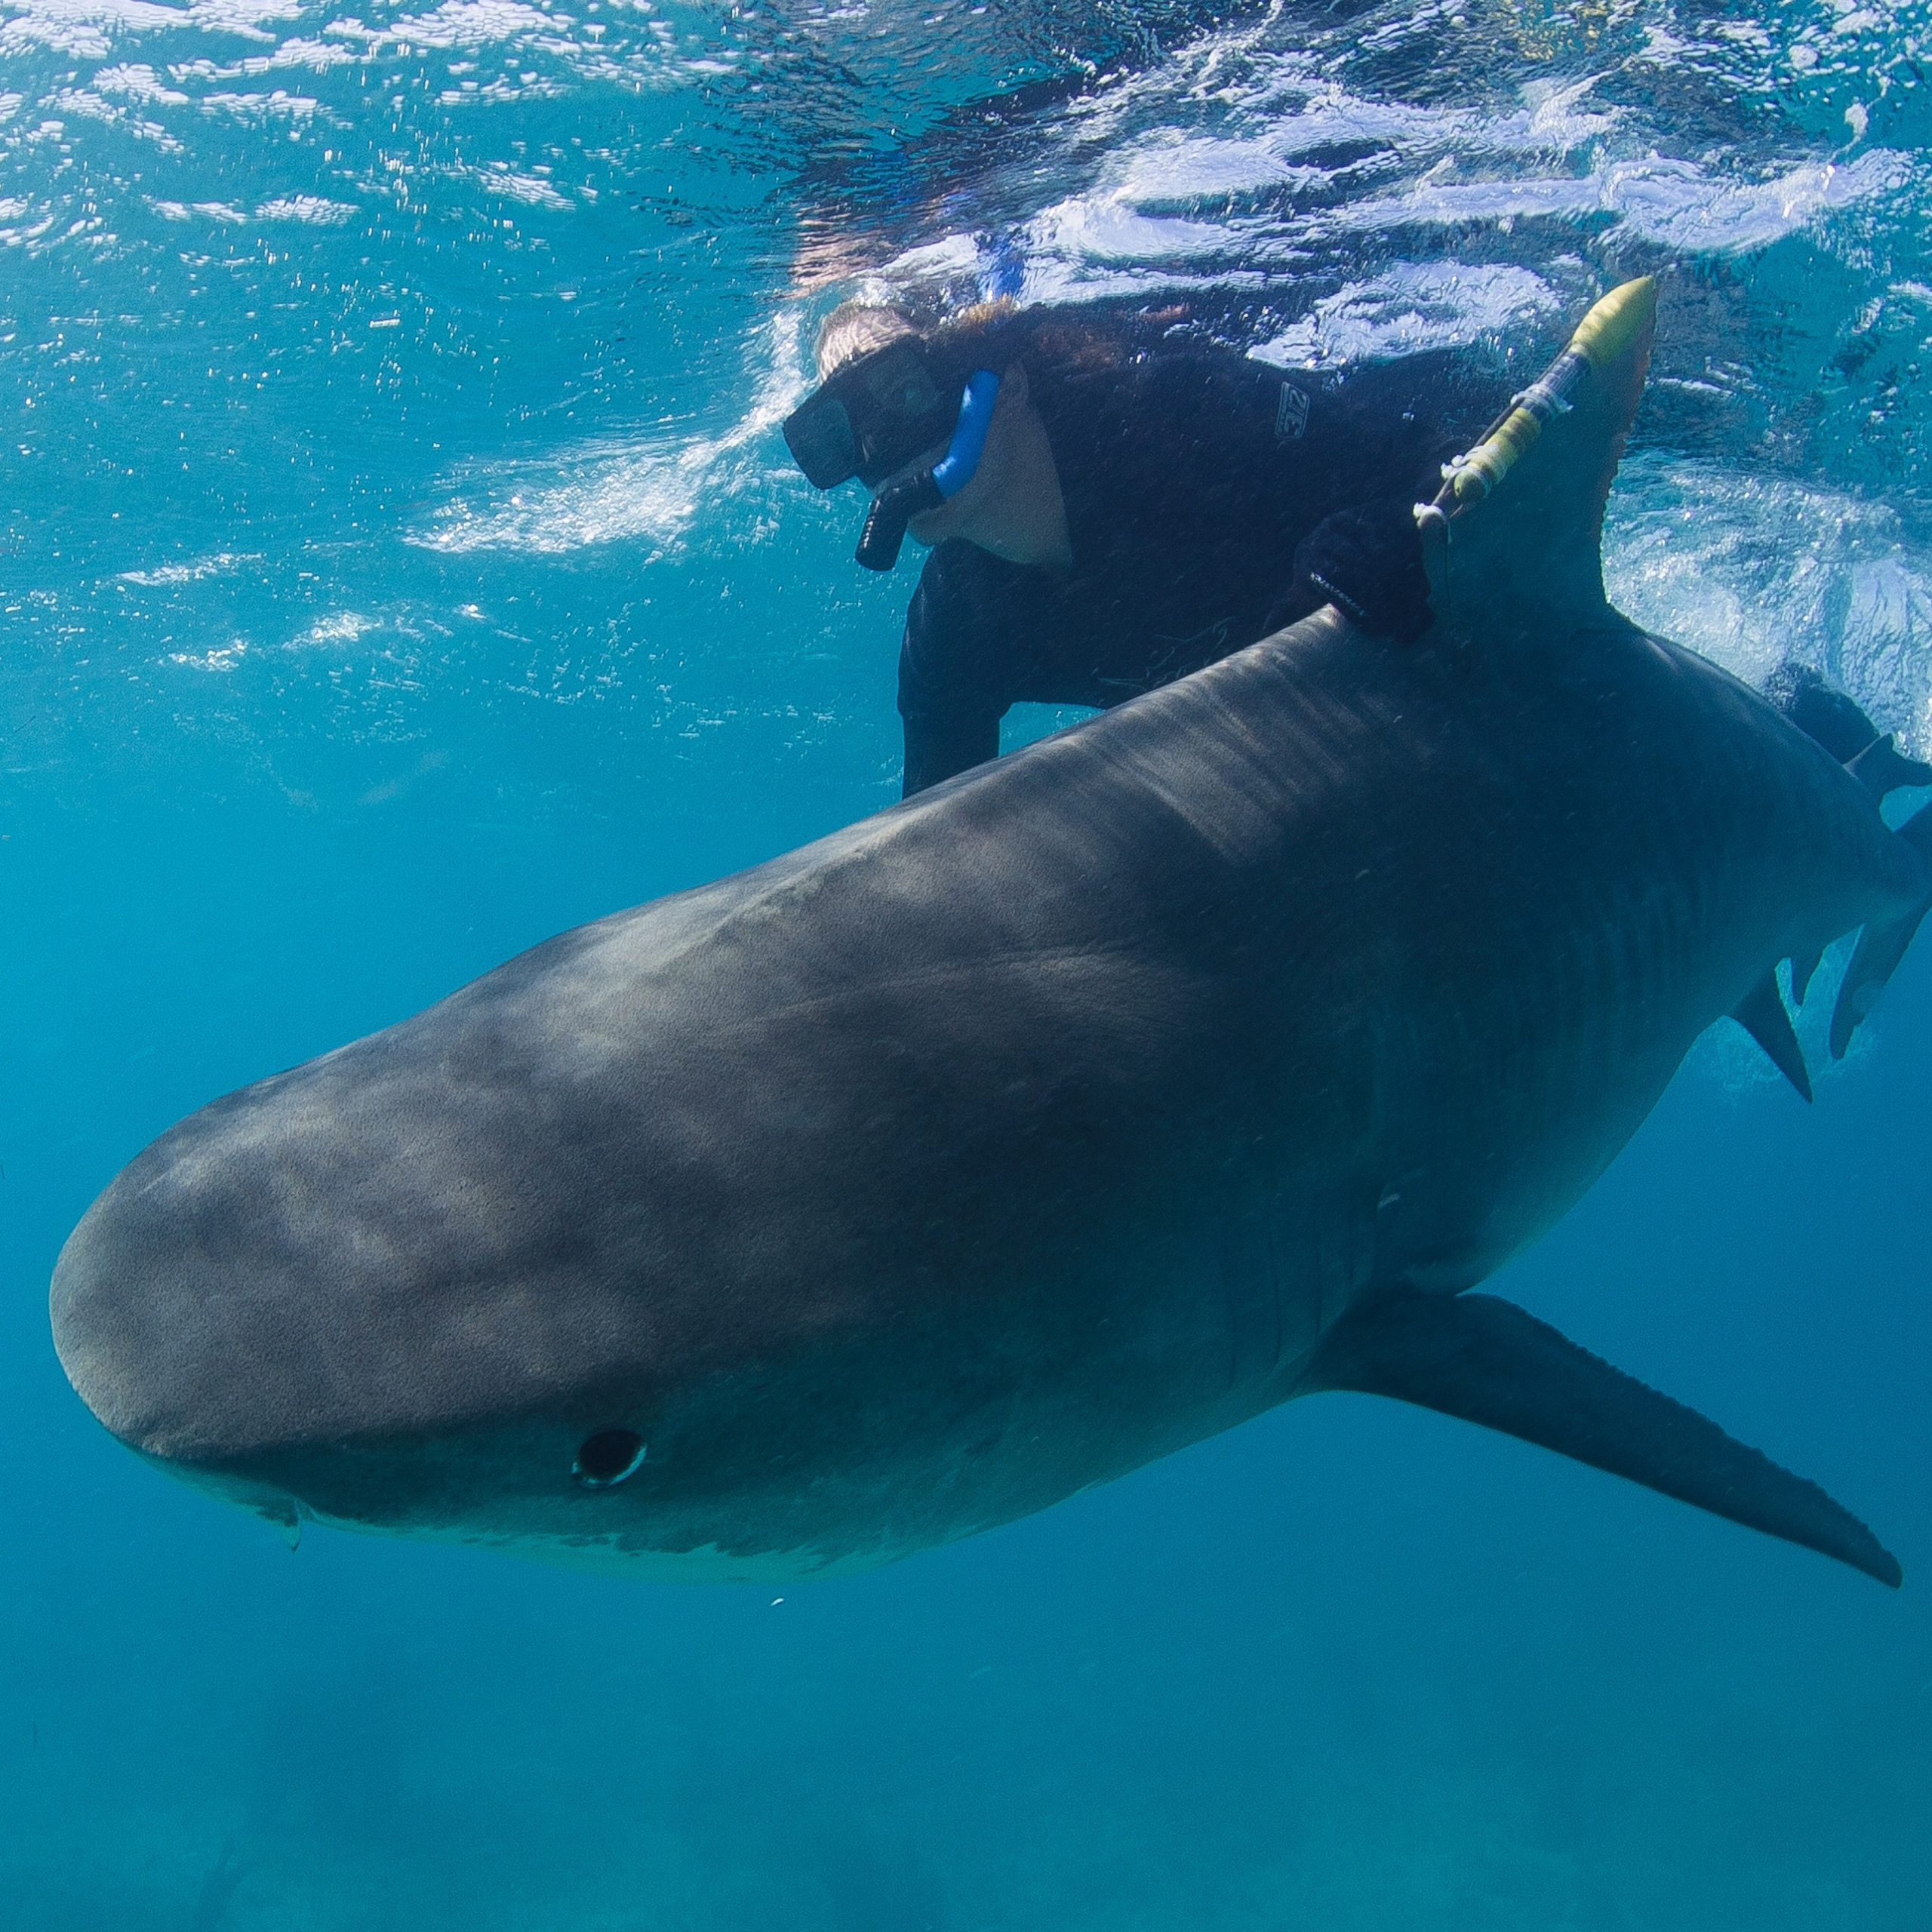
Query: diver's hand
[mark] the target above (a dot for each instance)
(1368, 562)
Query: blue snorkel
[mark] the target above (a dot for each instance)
(898, 503)
(955, 470)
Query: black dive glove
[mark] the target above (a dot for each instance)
(1367, 561)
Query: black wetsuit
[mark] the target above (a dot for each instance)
(1189, 477)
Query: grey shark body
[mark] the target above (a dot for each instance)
(1113, 1093)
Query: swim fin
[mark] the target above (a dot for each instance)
(1881, 947)
(1488, 1361)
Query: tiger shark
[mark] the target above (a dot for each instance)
(1204, 1056)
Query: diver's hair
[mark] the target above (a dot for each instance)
(1052, 341)
(1070, 341)
(855, 329)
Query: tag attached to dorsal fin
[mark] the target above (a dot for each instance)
(1489, 1362)
(1883, 769)
(1761, 1014)
(1527, 503)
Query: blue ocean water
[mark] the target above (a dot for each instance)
(401, 565)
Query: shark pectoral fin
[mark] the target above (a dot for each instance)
(1488, 1361)
(1760, 1013)
(1881, 947)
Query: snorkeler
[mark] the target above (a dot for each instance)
(1108, 509)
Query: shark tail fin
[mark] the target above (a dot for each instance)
(1804, 967)
(1488, 1361)
(1882, 944)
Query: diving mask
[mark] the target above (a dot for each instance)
(874, 417)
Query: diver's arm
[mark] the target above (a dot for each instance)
(942, 746)
(956, 675)
(1368, 562)
(1383, 433)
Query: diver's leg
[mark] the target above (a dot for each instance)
(1821, 711)
(1829, 718)
(941, 744)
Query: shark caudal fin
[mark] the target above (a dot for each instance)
(1489, 1362)
(1577, 415)
(1881, 945)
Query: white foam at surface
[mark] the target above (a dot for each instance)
(1329, 116)
(246, 17)
(218, 211)
(649, 491)
(314, 56)
(165, 576)
(1255, 189)
(220, 657)
(1182, 169)
(1757, 571)
(279, 104)
(136, 82)
(572, 53)
(1108, 228)
(86, 28)
(338, 627)
(84, 102)
(1675, 203)
(472, 23)
(314, 209)
(530, 189)
(1412, 306)
(952, 254)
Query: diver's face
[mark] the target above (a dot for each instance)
(964, 513)
(1012, 507)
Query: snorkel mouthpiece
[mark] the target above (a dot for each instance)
(884, 533)
(895, 507)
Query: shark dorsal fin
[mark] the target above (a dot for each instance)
(1535, 547)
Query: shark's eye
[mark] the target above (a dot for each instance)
(607, 1457)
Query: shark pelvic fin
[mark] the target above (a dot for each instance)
(1488, 1361)
(1761, 1014)
(1881, 945)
